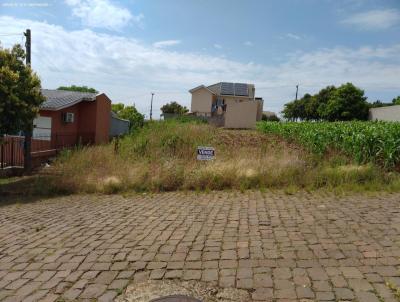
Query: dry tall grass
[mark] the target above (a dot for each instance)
(162, 157)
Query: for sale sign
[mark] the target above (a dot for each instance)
(205, 153)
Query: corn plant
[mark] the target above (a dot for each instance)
(377, 142)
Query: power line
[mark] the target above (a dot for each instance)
(6, 35)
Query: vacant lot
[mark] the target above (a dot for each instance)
(272, 245)
(162, 157)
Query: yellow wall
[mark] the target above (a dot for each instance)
(201, 101)
(241, 114)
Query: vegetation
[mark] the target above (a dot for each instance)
(161, 156)
(365, 142)
(129, 113)
(78, 88)
(344, 103)
(174, 108)
(19, 92)
(270, 118)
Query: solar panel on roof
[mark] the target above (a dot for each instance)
(227, 89)
(241, 89)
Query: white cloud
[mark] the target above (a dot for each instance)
(128, 70)
(293, 36)
(248, 43)
(166, 43)
(102, 14)
(374, 19)
(218, 46)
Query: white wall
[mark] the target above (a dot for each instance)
(42, 128)
(389, 113)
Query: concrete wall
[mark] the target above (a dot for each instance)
(241, 115)
(260, 105)
(201, 101)
(389, 113)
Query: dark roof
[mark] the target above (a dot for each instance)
(59, 99)
(227, 88)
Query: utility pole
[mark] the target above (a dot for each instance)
(29, 127)
(297, 90)
(151, 106)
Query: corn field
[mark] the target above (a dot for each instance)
(377, 142)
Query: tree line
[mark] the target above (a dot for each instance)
(344, 103)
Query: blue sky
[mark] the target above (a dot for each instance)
(129, 49)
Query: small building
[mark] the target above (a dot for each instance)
(229, 105)
(386, 113)
(71, 117)
(66, 119)
(118, 126)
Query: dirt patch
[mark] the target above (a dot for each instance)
(205, 292)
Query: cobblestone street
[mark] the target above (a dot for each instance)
(278, 247)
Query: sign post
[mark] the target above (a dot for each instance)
(205, 153)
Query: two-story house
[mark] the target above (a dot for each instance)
(230, 105)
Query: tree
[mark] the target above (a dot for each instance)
(333, 104)
(396, 100)
(78, 88)
(20, 95)
(129, 113)
(174, 108)
(346, 103)
(378, 104)
(270, 118)
(295, 110)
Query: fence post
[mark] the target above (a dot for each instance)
(12, 153)
(55, 143)
(2, 154)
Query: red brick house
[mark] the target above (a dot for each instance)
(66, 119)
(70, 117)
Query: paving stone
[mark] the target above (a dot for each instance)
(325, 296)
(192, 275)
(209, 275)
(36, 296)
(108, 296)
(367, 297)
(359, 285)
(157, 274)
(344, 294)
(262, 280)
(317, 273)
(173, 274)
(288, 293)
(351, 272)
(106, 277)
(282, 273)
(16, 284)
(304, 292)
(227, 281)
(72, 294)
(93, 291)
(278, 247)
(119, 284)
(262, 294)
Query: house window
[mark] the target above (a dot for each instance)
(68, 117)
